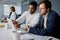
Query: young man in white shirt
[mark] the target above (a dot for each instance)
(31, 17)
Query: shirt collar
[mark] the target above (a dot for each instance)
(45, 16)
(34, 13)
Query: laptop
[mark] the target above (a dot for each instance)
(12, 28)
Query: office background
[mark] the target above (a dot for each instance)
(22, 5)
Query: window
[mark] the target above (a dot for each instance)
(7, 9)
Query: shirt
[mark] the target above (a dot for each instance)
(31, 19)
(45, 20)
(13, 16)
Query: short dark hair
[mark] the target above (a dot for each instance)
(47, 3)
(34, 3)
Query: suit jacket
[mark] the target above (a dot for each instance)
(52, 24)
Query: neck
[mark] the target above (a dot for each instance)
(32, 13)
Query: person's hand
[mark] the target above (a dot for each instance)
(16, 25)
(5, 21)
(14, 22)
(26, 27)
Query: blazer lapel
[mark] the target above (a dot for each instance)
(42, 21)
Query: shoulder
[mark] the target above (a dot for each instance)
(37, 13)
(25, 13)
(13, 13)
(53, 14)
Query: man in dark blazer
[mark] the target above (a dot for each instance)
(49, 23)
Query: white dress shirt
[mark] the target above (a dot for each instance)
(31, 19)
(13, 16)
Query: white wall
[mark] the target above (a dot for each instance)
(1, 9)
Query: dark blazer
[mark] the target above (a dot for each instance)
(52, 24)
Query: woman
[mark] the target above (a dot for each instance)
(12, 15)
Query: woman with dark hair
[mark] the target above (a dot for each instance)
(13, 14)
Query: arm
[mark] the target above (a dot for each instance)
(21, 18)
(36, 29)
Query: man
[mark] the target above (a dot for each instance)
(49, 23)
(31, 17)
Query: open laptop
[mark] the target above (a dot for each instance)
(14, 29)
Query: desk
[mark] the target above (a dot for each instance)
(6, 35)
(36, 37)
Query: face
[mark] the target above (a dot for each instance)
(11, 9)
(31, 9)
(43, 10)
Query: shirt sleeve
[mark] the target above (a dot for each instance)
(21, 18)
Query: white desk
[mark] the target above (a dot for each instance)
(36, 37)
(6, 34)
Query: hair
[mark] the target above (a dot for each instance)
(34, 3)
(13, 8)
(47, 3)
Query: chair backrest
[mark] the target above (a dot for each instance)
(17, 16)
